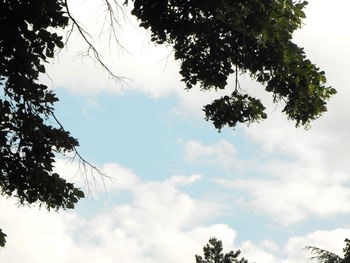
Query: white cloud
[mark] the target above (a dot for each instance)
(221, 154)
(288, 190)
(143, 66)
(256, 253)
(159, 224)
(290, 200)
(293, 251)
(184, 180)
(332, 241)
(219, 151)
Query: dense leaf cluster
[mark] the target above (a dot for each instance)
(213, 254)
(27, 140)
(346, 251)
(2, 238)
(215, 38)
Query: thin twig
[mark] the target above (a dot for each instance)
(91, 48)
(83, 162)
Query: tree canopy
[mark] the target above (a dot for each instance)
(28, 142)
(213, 254)
(215, 38)
(212, 39)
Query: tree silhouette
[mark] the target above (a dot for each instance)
(213, 39)
(213, 254)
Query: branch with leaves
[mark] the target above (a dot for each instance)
(324, 256)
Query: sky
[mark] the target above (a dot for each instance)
(172, 181)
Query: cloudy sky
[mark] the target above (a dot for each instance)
(269, 189)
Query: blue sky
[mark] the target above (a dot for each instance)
(269, 189)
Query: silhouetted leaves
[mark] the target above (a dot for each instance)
(229, 110)
(28, 142)
(324, 256)
(2, 238)
(213, 254)
(214, 38)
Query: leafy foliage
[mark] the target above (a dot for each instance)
(28, 142)
(215, 38)
(346, 251)
(213, 254)
(324, 256)
(2, 238)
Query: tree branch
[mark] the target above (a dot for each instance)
(84, 163)
(91, 48)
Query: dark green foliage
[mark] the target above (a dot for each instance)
(346, 251)
(28, 142)
(324, 256)
(235, 108)
(2, 238)
(215, 38)
(213, 254)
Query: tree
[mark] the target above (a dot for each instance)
(28, 142)
(213, 254)
(215, 38)
(324, 256)
(212, 39)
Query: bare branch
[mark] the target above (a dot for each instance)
(86, 165)
(91, 48)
